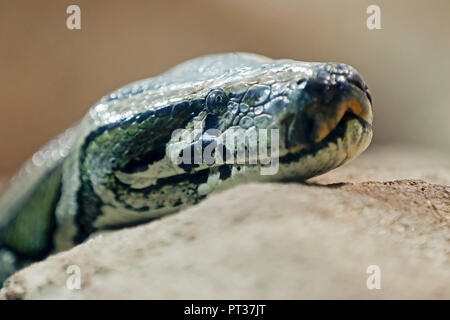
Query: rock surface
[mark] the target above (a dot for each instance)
(389, 208)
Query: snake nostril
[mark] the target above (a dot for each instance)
(356, 80)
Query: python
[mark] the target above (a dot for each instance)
(114, 168)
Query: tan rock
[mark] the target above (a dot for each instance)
(275, 241)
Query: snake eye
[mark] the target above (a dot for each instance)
(216, 101)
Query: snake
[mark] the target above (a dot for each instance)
(115, 167)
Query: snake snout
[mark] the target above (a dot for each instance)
(334, 91)
(346, 75)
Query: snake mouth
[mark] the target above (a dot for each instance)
(341, 128)
(354, 130)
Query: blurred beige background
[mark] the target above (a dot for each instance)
(50, 76)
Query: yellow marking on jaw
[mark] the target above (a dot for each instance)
(355, 105)
(329, 124)
(362, 111)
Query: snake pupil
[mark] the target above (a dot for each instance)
(216, 101)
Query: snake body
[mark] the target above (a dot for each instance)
(114, 168)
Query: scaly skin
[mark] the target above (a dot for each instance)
(115, 167)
